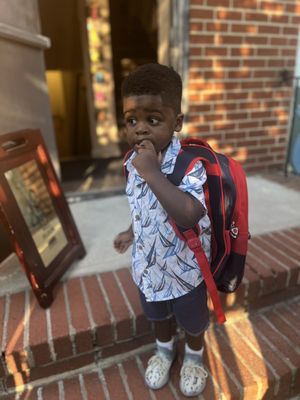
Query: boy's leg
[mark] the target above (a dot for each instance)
(195, 343)
(192, 315)
(164, 330)
(158, 369)
(193, 374)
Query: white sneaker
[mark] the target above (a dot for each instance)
(158, 370)
(192, 376)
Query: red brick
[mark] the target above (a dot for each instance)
(51, 392)
(201, 13)
(288, 246)
(196, 26)
(257, 250)
(243, 51)
(269, 29)
(292, 317)
(234, 364)
(38, 336)
(201, 64)
(248, 330)
(114, 383)
(93, 387)
(135, 380)
(57, 368)
(219, 373)
(265, 274)
(287, 30)
(60, 328)
(253, 282)
(294, 233)
(257, 365)
(275, 338)
(272, 7)
(15, 355)
(216, 26)
(237, 96)
(287, 262)
(72, 389)
(284, 327)
(118, 306)
(218, 3)
(215, 51)
(281, 19)
(201, 39)
(245, 4)
(268, 51)
(30, 394)
(128, 345)
(288, 52)
(229, 15)
(79, 317)
(256, 16)
(142, 325)
(101, 316)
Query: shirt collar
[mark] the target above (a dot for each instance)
(168, 162)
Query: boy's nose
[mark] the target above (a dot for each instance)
(141, 128)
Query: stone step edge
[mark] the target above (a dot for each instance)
(249, 358)
(104, 309)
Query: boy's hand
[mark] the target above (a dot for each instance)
(147, 158)
(123, 240)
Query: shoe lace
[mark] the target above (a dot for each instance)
(194, 370)
(159, 361)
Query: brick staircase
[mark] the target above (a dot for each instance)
(94, 342)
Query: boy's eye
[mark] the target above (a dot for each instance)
(131, 121)
(153, 121)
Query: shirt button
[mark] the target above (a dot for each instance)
(137, 218)
(140, 247)
(146, 272)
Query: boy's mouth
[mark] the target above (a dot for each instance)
(141, 141)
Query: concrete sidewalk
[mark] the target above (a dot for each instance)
(272, 206)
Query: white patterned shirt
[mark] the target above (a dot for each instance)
(163, 267)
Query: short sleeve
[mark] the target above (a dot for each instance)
(193, 182)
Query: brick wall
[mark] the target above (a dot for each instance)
(237, 49)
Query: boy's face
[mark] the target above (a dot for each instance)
(147, 118)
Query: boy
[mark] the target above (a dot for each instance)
(163, 267)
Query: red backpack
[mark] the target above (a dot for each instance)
(227, 203)
(226, 199)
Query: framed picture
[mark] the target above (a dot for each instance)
(35, 213)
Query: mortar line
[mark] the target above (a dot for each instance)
(72, 330)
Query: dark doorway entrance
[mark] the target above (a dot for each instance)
(65, 77)
(134, 31)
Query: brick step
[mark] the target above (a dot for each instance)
(102, 314)
(254, 357)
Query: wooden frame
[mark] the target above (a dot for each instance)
(35, 212)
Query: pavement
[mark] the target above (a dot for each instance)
(273, 205)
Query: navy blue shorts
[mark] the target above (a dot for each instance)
(191, 310)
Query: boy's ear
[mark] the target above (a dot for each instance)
(179, 122)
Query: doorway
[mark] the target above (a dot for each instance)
(133, 41)
(65, 78)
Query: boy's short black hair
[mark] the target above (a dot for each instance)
(155, 79)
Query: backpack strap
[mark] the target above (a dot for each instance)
(194, 244)
(185, 161)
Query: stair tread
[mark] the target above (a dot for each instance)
(254, 357)
(101, 314)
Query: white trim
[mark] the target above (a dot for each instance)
(14, 34)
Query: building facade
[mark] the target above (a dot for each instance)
(237, 59)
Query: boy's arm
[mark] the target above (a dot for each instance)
(183, 208)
